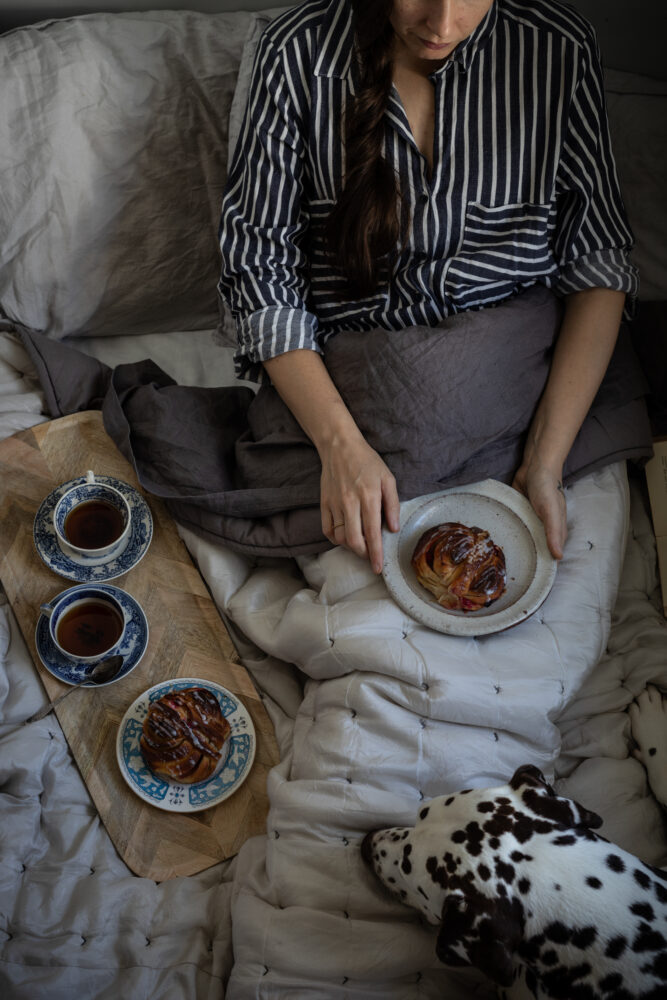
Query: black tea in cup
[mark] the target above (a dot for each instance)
(93, 524)
(89, 628)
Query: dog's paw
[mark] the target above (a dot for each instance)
(648, 718)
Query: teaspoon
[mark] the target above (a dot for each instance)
(102, 672)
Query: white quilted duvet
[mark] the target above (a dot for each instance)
(374, 713)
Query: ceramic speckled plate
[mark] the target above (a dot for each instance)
(512, 524)
(172, 796)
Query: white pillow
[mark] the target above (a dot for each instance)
(113, 130)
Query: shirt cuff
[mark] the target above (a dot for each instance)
(269, 332)
(601, 269)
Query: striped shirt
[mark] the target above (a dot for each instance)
(523, 187)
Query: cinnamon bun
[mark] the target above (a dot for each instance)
(461, 566)
(184, 734)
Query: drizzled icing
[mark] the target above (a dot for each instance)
(183, 735)
(461, 566)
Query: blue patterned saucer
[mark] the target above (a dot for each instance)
(86, 570)
(132, 646)
(176, 797)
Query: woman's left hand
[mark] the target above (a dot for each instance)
(585, 344)
(544, 489)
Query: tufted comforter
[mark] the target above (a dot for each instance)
(374, 714)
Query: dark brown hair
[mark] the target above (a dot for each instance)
(364, 226)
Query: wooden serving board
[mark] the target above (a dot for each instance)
(187, 638)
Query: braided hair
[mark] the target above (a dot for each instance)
(365, 225)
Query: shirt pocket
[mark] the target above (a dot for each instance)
(502, 246)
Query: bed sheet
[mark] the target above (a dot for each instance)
(373, 714)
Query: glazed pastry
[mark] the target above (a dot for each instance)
(183, 735)
(462, 567)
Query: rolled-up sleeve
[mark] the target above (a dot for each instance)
(592, 236)
(263, 229)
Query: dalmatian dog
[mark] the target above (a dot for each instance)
(522, 888)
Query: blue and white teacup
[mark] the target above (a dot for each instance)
(92, 521)
(85, 623)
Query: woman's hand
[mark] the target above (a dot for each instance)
(585, 344)
(544, 488)
(356, 487)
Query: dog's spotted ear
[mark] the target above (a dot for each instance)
(483, 932)
(540, 797)
(530, 775)
(455, 926)
(581, 816)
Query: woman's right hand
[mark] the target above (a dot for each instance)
(356, 488)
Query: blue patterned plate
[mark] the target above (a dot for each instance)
(132, 646)
(86, 570)
(173, 796)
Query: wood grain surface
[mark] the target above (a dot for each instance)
(187, 638)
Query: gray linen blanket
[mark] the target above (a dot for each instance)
(444, 406)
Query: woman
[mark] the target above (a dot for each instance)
(472, 162)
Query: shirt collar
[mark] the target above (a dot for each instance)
(337, 41)
(466, 51)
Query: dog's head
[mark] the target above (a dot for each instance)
(458, 864)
